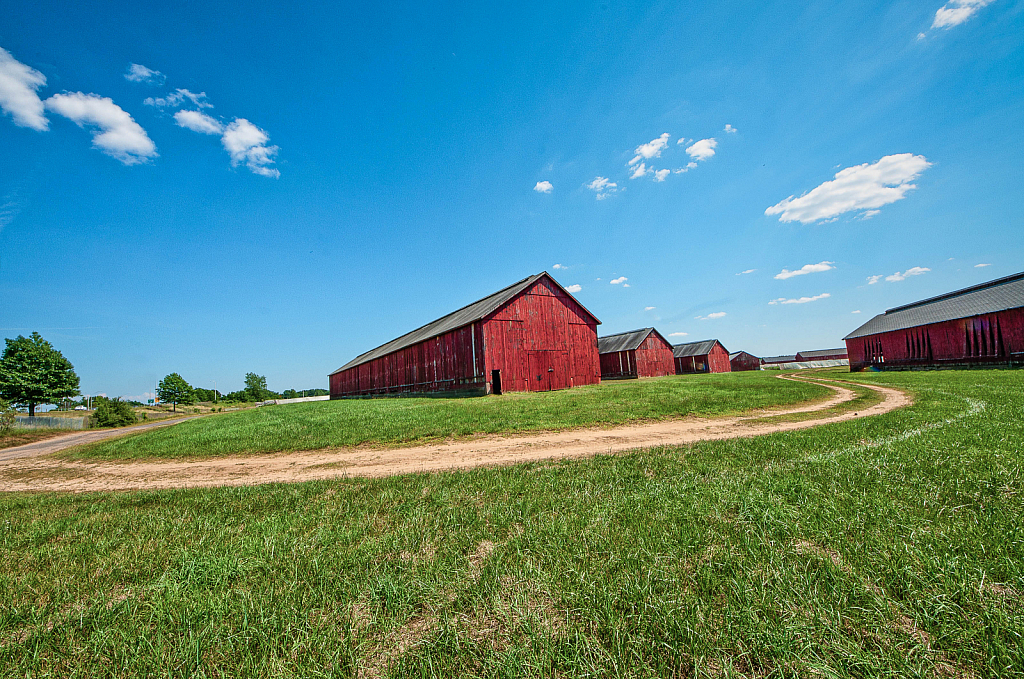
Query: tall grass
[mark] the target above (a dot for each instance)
(883, 547)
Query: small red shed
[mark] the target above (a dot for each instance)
(707, 356)
(637, 353)
(741, 360)
(530, 336)
(821, 355)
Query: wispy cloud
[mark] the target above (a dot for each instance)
(955, 12)
(177, 97)
(650, 308)
(602, 187)
(559, 266)
(574, 288)
(617, 281)
(857, 311)
(744, 273)
(702, 150)
(114, 131)
(18, 98)
(659, 175)
(874, 279)
(246, 143)
(800, 300)
(712, 316)
(678, 334)
(912, 271)
(869, 214)
(979, 266)
(137, 73)
(639, 171)
(197, 121)
(543, 187)
(804, 270)
(730, 128)
(689, 166)
(651, 149)
(861, 187)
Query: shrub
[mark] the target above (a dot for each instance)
(114, 413)
(7, 413)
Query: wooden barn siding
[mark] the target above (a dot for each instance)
(716, 361)
(443, 363)
(654, 358)
(745, 362)
(618, 365)
(539, 329)
(990, 339)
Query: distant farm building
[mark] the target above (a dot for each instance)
(530, 336)
(775, 360)
(821, 355)
(979, 326)
(637, 353)
(708, 356)
(741, 360)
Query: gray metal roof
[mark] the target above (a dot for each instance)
(694, 348)
(787, 358)
(986, 298)
(811, 355)
(457, 319)
(624, 341)
(738, 353)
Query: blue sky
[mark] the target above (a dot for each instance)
(215, 189)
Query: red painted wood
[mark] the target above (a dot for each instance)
(745, 361)
(715, 361)
(987, 340)
(653, 358)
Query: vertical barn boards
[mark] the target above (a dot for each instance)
(706, 356)
(534, 332)
(982, 325)
(637, 353)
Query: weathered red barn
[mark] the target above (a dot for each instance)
(637, 353)
(530, 336)
(741, 360)
(821, 355)
(707, 356)
(775, 360)
(979, 326)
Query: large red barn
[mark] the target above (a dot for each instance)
(530, 336)
(707, 356)
(979, 326)
(637, 353)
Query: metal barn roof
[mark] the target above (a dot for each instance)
(693, 348)
(734, 354)
(817, 353)
(787, 358)
(986, 298)
(624, 341)
(464, 316)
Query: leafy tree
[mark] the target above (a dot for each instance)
(113, 412)
(7, 413)
(206, 395)
(174, 389)
(32, 373)
(256, 387)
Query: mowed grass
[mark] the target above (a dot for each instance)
(883, 547)
(385, 421)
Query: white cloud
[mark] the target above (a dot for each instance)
(869, 214)
(804, 270)
(659, 175)
(800, 300)
(197, 121)
(730, 128)
(743, 273)
(543, 187)
(651, 149)
(855, 312)
(678, 334)
(620, 279)
(559, 266)
(702, 150)
(861, 187)
(116, 133)
(639, 171)
(602, 187)
(177, 97)
(650, 308)
(137, 73)
(625, 285)
(980, 266)
(689, 166)
(18, 98)
(955, 12)
(912, 271)
(874, 279)
(247, 143)
(574, 288)
(712, 316)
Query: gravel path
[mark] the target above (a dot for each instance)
(63, 441)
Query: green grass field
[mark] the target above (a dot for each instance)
(882, 547)
(324, 424)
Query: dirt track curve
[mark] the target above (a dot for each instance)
(50, 474)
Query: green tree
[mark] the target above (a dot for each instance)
(256, 387)
(174, 389)
(33, 373)
(113, 412)
(7, 413)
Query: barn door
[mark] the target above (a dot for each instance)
(548, 370)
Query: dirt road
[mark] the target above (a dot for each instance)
(63, 441)
(49, 474)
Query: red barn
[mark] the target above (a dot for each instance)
(979, 326)
(708, 356)
(637, 353)
(531, 336)
(741, 360)
(821, 355)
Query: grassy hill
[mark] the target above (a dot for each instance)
(311, 426)
(889, 546)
